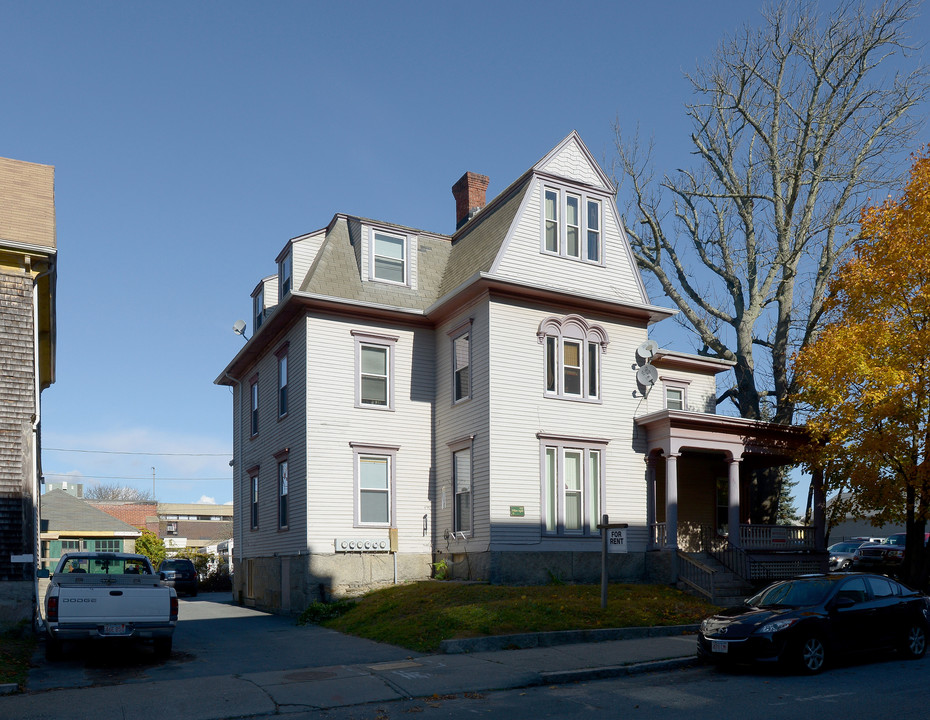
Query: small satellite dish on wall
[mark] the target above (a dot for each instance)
(646, 351)
(646, 377)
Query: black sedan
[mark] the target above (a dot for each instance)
(806, 621)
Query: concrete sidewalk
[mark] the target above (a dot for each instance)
(268, 693)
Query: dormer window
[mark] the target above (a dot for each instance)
(284, 276)
(572, 225)
(389, 257)
(258, 308)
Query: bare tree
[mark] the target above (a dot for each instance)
(793, 125)
(117, 492)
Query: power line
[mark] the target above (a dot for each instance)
(122, 452)
(120, 477)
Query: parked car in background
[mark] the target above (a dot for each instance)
(180, 574)
(807, 621)
(867, 539)
(841, 555)
(884, 557)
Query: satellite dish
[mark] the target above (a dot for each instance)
(646, 376)
(645, 351)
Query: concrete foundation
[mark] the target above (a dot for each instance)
(16, 602)
(540, 568)
(288, 584)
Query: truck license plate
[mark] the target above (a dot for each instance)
(719, 646)
(114, 629)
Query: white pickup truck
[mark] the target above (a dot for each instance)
(97, 595)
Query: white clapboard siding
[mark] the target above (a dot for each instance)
(522, 258)
(519, 410)
(274, 435)
(334, 422)
(461, 420)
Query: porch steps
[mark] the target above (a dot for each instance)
(729, 589)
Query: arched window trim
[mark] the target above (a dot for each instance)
(580, 379)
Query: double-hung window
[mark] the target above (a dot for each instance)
(572, 485)
(253, 498)
(461, 366)
(258, 308)
(461, 485)
(676, 394)
(282, 494)
(374, 362)
(573, 349)
(285, 276)
(374, 484)
(572, 224)
(282, 380)
(253, 406)
(389, 257)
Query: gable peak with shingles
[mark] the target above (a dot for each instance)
(572, 160)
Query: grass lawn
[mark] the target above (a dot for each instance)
(16, 648)
(420, 615)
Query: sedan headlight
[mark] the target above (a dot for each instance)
(777, 625)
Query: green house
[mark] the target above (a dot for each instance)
(71, 524)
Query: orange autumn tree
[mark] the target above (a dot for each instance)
(865, 381)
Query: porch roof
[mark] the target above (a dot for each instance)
(671, 431)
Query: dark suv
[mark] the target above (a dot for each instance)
(179, 574)
(884, 557)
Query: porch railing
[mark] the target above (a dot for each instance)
(697, 575)
(776, 537)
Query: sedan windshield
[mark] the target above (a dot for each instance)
(795, 593)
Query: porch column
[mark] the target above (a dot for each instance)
(733, 498)
(671, 500)
(650, 497)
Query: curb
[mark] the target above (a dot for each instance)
(8, 688)
(522, 641)
(560, 677)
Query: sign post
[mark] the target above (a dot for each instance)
(613, 540)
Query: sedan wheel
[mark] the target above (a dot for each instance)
(915, 643)
(812, 655)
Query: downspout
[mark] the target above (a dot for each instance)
(237, 470)
(38, 623)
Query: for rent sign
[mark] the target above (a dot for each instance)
(616, 540)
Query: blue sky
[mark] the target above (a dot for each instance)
(191, 140)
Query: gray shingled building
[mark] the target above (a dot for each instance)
(28, 262)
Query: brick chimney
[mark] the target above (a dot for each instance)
(469, 193)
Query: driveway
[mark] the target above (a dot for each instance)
(213, 637)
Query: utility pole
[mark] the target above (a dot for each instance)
(153, 484)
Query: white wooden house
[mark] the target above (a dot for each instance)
(409, 397)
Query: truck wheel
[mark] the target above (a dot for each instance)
(915, 642)
(52, 648)
(163, 647)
